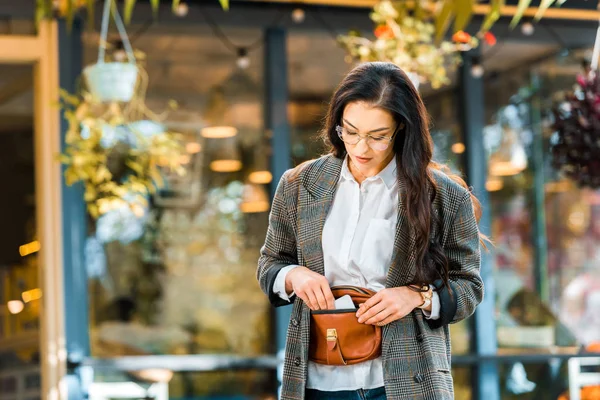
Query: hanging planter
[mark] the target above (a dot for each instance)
(112, 81)
(575, 144)
(406, 36)
(115, 146)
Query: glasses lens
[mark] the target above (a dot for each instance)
(348, 138)
(379, 146)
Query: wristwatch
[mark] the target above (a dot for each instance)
(426, 296)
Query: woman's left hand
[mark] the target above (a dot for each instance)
(388, 305)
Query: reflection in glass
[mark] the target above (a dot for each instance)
(20, 286)
(187, 286)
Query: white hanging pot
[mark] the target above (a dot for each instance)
(112, 81)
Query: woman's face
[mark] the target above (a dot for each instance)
(363, 119)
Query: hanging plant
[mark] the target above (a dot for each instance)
(406, 37)
(411, 34)
(575, 144)
(48, 9)
(115, 145)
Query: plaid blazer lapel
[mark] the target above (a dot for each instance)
(320, 181)
(399, 273)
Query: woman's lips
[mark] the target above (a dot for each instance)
(362, 160)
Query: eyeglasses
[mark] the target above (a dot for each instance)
(378, 143)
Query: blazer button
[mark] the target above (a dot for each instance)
(294, 322)
(297, 361)
(420, 337)
(419, 378)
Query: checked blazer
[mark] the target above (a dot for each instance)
(415, 351)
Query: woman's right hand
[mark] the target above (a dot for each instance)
(311, 287)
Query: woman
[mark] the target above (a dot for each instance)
(378, 213)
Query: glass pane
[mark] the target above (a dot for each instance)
(445, 128)
(462, 383)
(507, 138)
(534, 381)
(20, 294)
(572, 223)
(230, 385)
(311, 85)
(185, 283)
(449, 149)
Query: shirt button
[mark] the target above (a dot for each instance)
(294, 322)
(419, 378)
(297, 361)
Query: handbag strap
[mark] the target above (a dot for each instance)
(334, 351)
(108, 4)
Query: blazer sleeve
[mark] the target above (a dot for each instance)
(279, 249)
(465, 291)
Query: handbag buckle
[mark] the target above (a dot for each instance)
(331, 335)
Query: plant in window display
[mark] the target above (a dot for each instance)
(411, 36)
(575, 144)
(115, 146)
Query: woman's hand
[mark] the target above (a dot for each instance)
(311, 287)
(388, 305)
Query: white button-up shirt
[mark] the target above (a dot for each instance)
(358, 240)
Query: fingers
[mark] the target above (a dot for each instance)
(311, 299)
(316, 293)
(329, 299)
(372, 312)
(320, 296)
(368, 304)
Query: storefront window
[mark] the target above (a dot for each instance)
(548, 277)
(20, 285)
(572, 220)
(187, 285)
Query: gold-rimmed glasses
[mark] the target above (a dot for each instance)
(376, 142)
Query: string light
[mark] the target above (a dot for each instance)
(477, 70)
(527, 28)
(243, 61)
(182, 10)
(298, 15)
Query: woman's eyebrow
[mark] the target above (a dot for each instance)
(371, 131)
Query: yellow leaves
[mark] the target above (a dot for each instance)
(521, 7)
(443, 19)
(464, 11)
(493, 15)
(128, 10)
(99, 152)
(542, 8)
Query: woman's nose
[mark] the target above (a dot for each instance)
(362, 145)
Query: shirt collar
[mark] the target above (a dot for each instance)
(387, 175)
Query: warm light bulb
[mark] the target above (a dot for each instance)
(477, 70)
(182, 10)
(15, 306)
(193, 147)
(260, 177)
(298, 15)
(527, 29)
(218, 132)
(458, 148)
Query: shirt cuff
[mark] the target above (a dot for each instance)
(279, 285)
(435, 306)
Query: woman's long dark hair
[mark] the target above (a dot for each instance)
(386, 86)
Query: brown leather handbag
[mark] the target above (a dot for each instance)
(336, 336)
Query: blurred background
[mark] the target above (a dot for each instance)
(164, 303)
